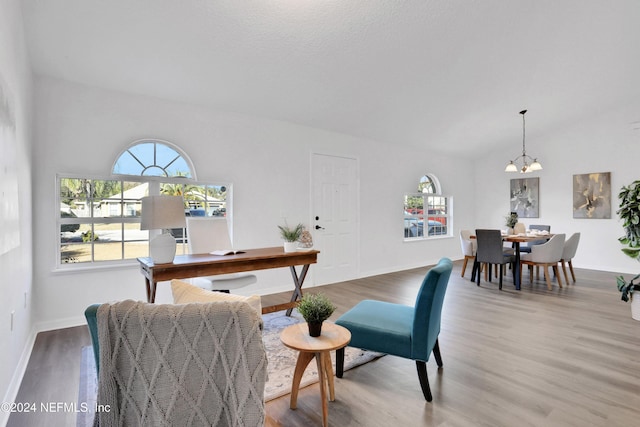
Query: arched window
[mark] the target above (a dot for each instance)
(153, 158)
(429, 184)
(99, 219)
(427, 213)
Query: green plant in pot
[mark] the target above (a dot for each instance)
(291, 236)
(315, 309)
(629, 213)
(511, 220)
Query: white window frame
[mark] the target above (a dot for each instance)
(414, 218)
(154, 181)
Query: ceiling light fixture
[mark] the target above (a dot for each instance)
(526, 167)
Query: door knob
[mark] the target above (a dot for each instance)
(319, 228)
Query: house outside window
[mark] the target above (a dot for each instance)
(427, 213)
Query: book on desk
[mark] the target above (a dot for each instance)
(223, 252)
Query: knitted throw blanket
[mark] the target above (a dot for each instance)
(180, 365)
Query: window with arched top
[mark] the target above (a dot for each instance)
(427, 213)
(153, 158)
(99, 219)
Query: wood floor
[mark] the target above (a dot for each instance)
(566, 357)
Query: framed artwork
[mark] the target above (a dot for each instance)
(592, 195)
(524, 197)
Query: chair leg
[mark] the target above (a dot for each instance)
(564, 270)
(500, 281)
(340, 362)
(557, 273)
(573, 275)
(424, 380)
(464, 266)
(436, 354)
(546, 276)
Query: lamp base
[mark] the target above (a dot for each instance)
(162, 248)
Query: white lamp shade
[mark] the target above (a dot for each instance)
(159, 212)
(535, 166)
(511, 167)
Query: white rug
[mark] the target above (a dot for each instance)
(282, 362)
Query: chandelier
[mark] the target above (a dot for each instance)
(524, 158)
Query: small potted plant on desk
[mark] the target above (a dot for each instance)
(315, 308)
(291, 236)
(629, 213)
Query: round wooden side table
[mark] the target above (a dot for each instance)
(333, 337)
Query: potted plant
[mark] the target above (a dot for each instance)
(629, 213)
(315, 308)
(511, 221)
(291, 236)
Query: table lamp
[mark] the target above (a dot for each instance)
(162, 212)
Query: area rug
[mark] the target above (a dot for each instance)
(282, 362)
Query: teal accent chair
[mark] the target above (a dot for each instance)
(92, 321)
(400, 330)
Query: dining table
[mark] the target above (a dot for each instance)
(516, 239)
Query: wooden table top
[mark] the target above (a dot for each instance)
(332, 337)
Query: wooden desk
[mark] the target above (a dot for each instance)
(200, 265)
(333, 337)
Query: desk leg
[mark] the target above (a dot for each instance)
(150, 290)
(297, 282)
(517, 266)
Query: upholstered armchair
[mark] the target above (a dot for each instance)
(400, 330)
(178, 364)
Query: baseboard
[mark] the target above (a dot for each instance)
(18, 374)
(52, 325)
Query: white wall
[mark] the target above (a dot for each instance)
(603, 143)
(81, 130)
(15, 265)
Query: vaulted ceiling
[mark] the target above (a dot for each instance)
(451, 75)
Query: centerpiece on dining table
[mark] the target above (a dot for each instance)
(511, 221)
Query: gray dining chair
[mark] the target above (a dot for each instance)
(491, 251)
(546, 255)
(526, 247)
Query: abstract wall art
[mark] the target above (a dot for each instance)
(524, 197)
(592, 195)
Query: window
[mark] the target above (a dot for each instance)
(99, 218)
(427, 213)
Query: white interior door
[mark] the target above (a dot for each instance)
(334, 212)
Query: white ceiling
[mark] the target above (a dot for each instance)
(447, 74)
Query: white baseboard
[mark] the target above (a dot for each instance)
(18, 374)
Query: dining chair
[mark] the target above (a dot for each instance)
(519, 228)
(545, 255)
(568, 252)
(205, 235)
(526, 247)
(468, 246)
(491, 251)
(401, 330)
